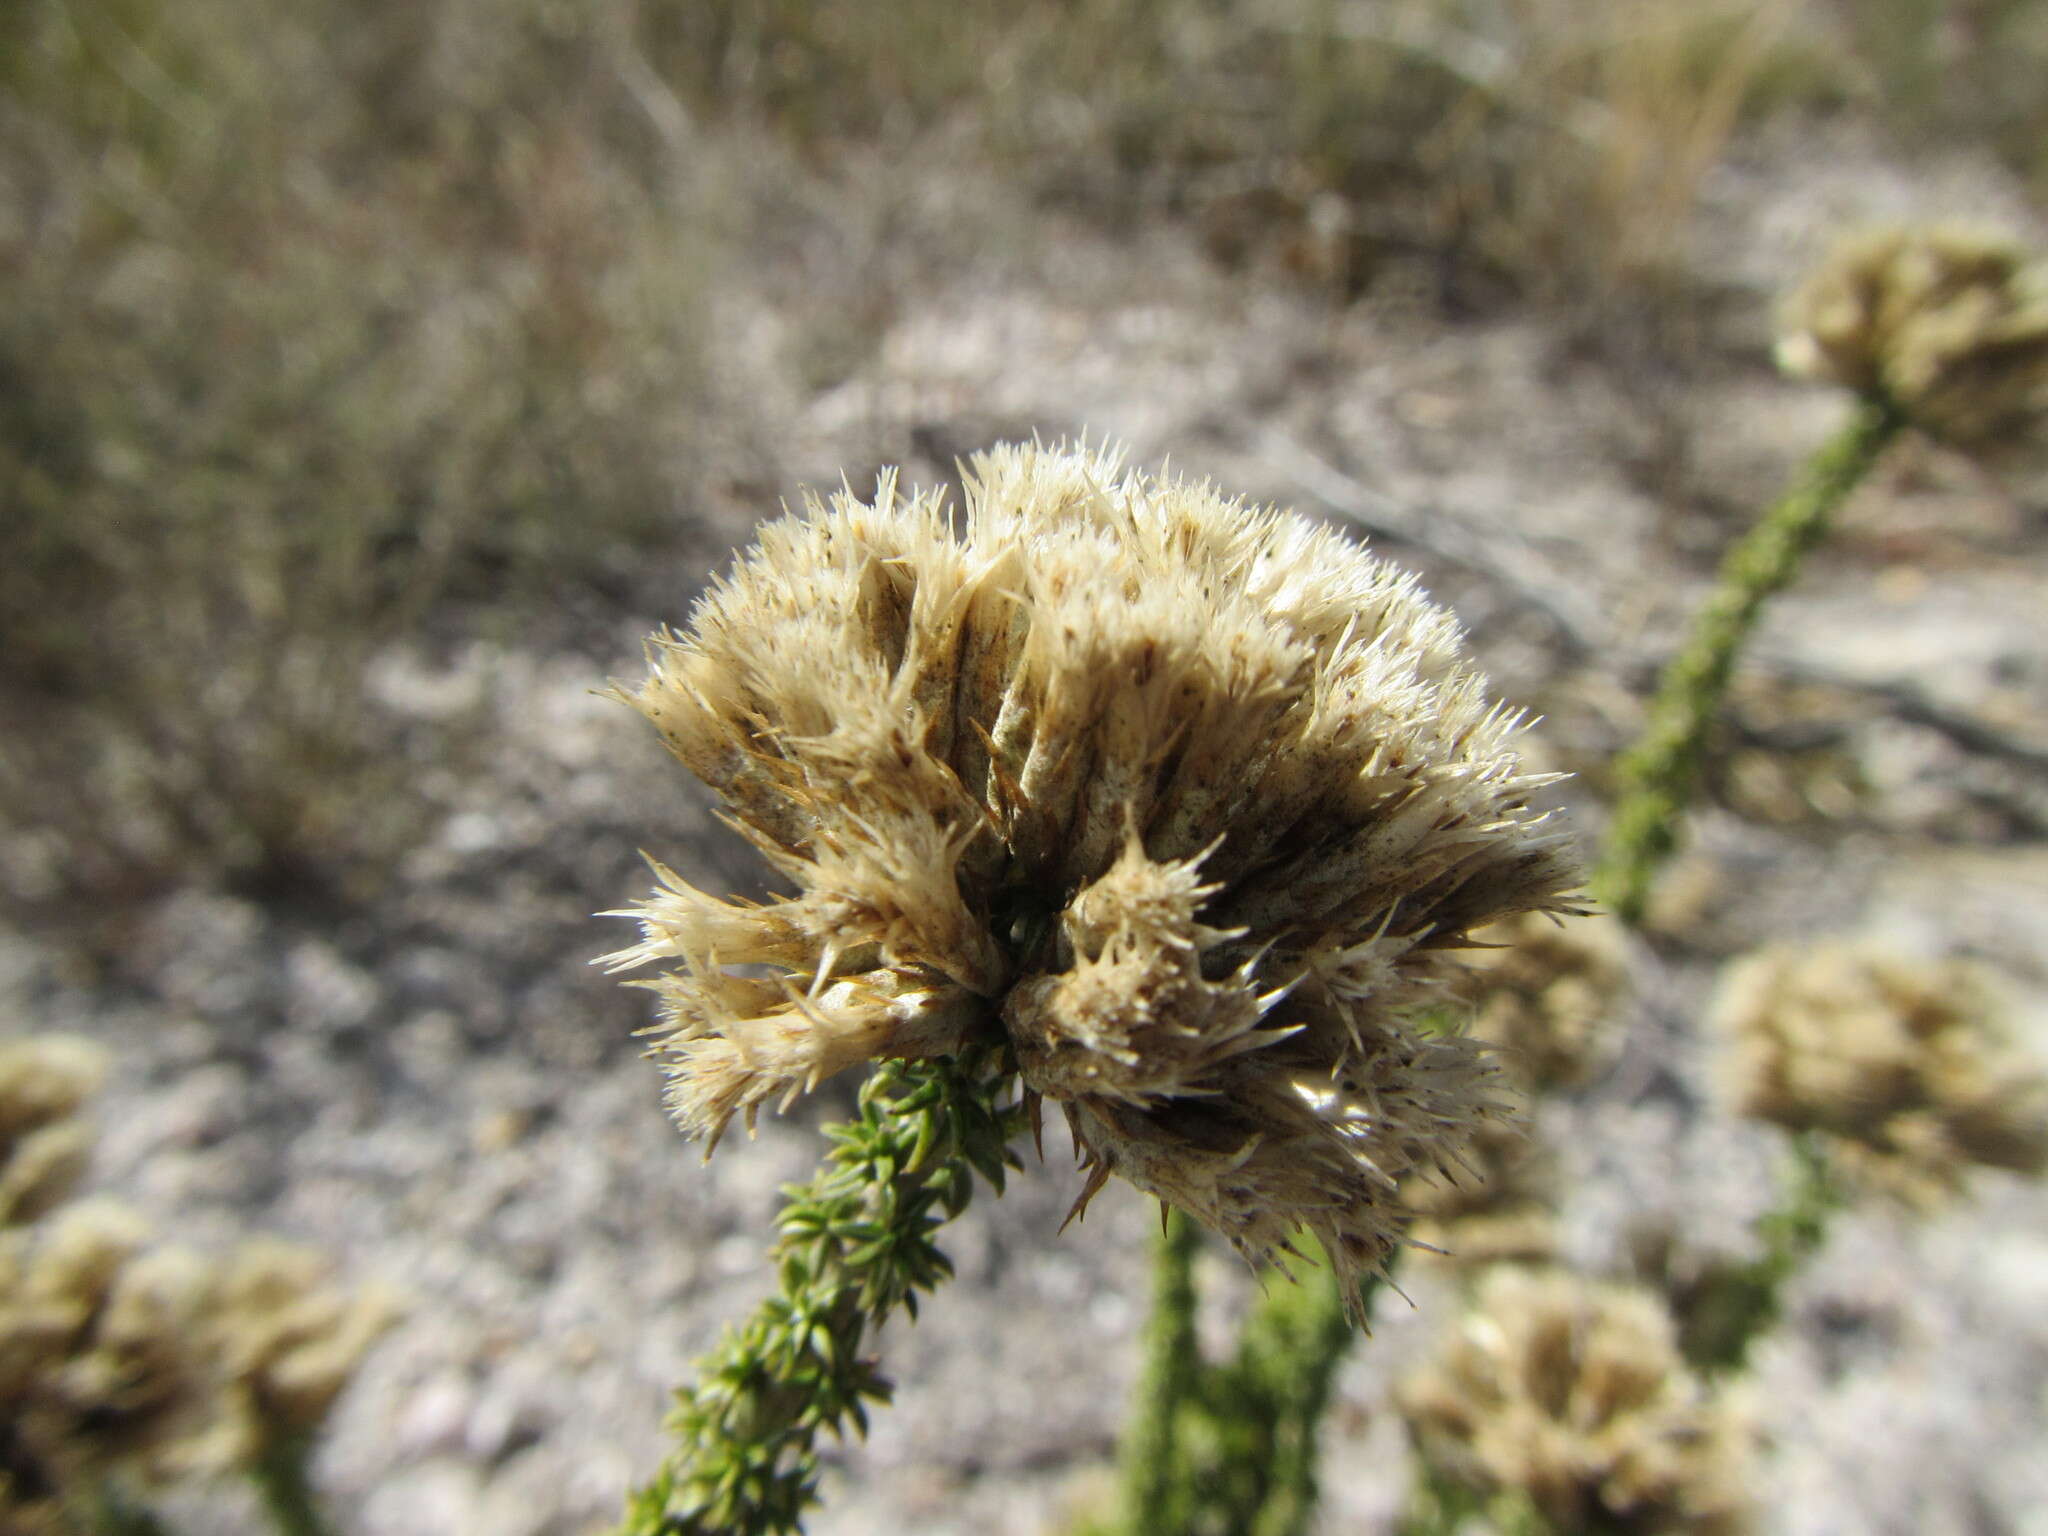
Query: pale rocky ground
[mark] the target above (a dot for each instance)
(444, 1094)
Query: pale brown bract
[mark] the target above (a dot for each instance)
(285, 1341)
(1189, 804)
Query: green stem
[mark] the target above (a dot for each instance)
(1738, 1305)
(856, 1245)
(106, 1511)
(279, 1473)
(1656, 776)
(1156, 1491)
(1439, 1505)
(1230, 1449)
(1435, 1506)
(1295, 1339)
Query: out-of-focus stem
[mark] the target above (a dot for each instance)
(1229, 1449)
(279, 1473)
(1294, 1340)
(106, 1511)
(1157, 1494)
(1656, 776)
(1741, 1303)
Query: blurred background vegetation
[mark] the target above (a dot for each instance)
(331, 326)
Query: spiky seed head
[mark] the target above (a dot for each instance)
(1186, 803)
(45, 1143)
(1900, 1060)
(1572, 1396)
(1950, 325)
(1545, 995)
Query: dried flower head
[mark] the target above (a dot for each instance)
(1185, 803)
(1573, 1396)
(1546, 996)
(1896, 1057)
(285, 1341)
(118, 1357)
(98, 1364)
(1949, 325)
(1495, 1209)
(44, 1143)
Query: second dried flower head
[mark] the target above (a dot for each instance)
(1570, 1398)
(1949, 325)
(1187, 805)
(1899, 1061)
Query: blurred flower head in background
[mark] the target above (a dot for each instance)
(1495, 1209)
(1949, 325)
(1187, 804)
(1898, 1060)
(45, 1142)
(98, 1369)
(124, 1358)
(1547, 995)
(1570, 1397)
(286, 1339)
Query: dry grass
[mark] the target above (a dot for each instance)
(284, 374)
(1542, 147)
(1972, 71)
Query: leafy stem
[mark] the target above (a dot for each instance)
(855, 1244)
(1657, 775)
(1156, 1490)
(1229, 1449)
